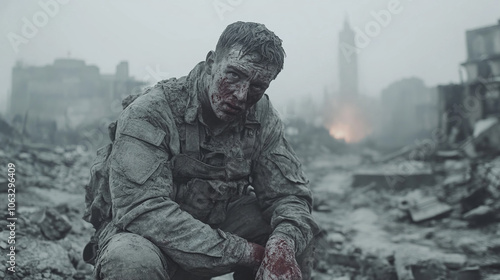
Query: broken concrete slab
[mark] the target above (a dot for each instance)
(475, 198)
(481, 215)
(397, 175)
(428, 208)
(469, 273)
(483, 126)
(418, 263)
(448, 154)
(487, 134)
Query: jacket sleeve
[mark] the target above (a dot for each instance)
(143, 194)
(281, 186)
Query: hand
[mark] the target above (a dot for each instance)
(279, 260)
(253, 256)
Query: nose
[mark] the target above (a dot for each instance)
(241, 92)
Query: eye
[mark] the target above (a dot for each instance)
(258, 87)
(233, 75)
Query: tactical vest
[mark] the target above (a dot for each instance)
(207, 183)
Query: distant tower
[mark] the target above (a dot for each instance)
(348, 62)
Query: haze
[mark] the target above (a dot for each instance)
(426, 39)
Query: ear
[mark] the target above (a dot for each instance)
(209, 60)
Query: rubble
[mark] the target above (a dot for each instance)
(48, 259)
(53, 225)
(428, 208)
(395, 175)
(435, 228)
(421, 263)
(377, 215)
(50, 233)
(486, 135)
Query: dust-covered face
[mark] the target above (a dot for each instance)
(237, 82)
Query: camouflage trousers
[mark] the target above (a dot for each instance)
(130, 256)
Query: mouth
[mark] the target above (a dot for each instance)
(231, 109)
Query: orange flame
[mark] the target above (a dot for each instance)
(349, 123)
(340, 132)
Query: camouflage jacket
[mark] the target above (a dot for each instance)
(147, 197)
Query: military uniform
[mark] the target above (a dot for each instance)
(184, 198)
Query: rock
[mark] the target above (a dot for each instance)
(335, 258)
(53, 225)
(397, 215)
(428, 208)
(418, 263)
(24, 156)
(454, 261)
(429, 270)
(494, 246)
(4, 236)
(475, 198)
(335, 238)
(46, 257)
(374, 267)
(481, 214)
(470, 246)
(469, 273)
(456, 224)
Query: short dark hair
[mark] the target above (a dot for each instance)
(253, 38)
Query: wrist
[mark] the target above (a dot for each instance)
(278, 237)
(253, 255)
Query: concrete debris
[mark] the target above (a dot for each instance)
(419, 263)
(448, 154)
(422, 208)
(487, 135)
(428, 208)
(41, 259)
(51, 168)
(469, 273)
(46, 219)
(482, 126)
(396, 175)
(53, 225)
(421, 221)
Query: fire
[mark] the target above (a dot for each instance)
(340, 132)
(348, 123)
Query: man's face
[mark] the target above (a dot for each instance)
(236, 83)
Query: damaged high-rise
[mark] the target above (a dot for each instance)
(471, 110)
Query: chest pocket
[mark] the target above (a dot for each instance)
(206, 187)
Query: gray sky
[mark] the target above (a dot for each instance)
(425, 39)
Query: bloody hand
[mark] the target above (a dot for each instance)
(253, 256)
(279, 260)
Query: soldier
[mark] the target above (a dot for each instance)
(199, 180)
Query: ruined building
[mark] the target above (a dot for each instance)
(407, 111)
(66, 94)
(471, 110)
(348, 62)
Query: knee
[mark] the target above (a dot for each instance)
(130, 256)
